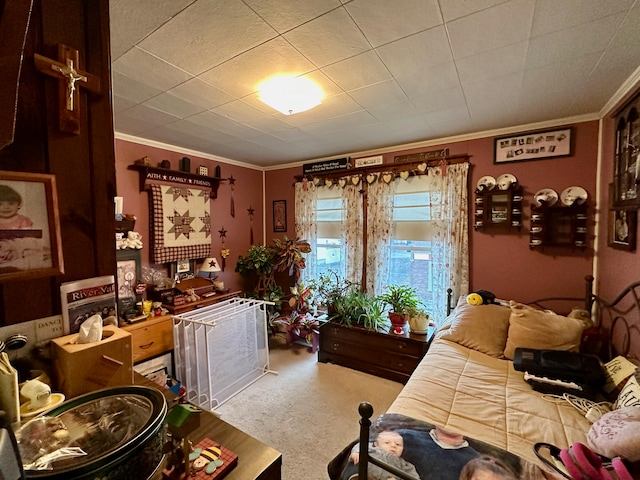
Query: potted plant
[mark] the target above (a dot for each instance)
(328, 288)
(287, 255)
(402, 299)
(419, 321)
(357, 308)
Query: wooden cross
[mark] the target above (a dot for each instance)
(70, 77)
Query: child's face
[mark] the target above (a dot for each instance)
(391, 442)
(8, 209)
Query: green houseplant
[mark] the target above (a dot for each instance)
(328, 288)
(355, 307)
(402, 299)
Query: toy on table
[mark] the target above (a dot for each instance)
(181, 421)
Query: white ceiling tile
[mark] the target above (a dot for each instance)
(359, 71)
(393, 111)
(628, 32)
(492, 28)
(173, 105)
(329, 38)
(242, 74)
(552, 15)
(383, 21)
(208, 33)
(130, 25)
(564, 45)
(431, 100)
(434, 79)
(240, 112)
(284, 16)
(120, 104)
(136, 64)
(413, 55)
(131, 89)
(495, 98)
(493, 63)
(450, 121)
(200, 93)
(378, 94)
(452, 9)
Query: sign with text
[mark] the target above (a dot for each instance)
(422, 156)
(326, 166)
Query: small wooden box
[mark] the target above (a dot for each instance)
(86, 367)
(200, 285)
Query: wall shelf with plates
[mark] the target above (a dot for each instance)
(498, 204)
(559, 221)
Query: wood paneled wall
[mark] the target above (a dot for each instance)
(84, 164)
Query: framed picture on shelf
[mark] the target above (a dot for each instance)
(533, 145)
(279, 215)
(626, 169)
(622, 229)
(182, 269)
(129, 273)
(30, 241)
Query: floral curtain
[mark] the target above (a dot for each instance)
(352, 221)
(306, 228)
(379, 225)
(449, 211)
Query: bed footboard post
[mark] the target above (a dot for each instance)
(588, 293)
(366, 411)
(449, 298)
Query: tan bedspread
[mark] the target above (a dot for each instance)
(485, 398)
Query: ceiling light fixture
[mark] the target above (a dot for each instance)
(290, 95)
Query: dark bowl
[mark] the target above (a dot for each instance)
(120, 429)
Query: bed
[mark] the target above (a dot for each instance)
(467, 384)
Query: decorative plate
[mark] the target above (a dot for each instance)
(573, 196)
(486, 183)
(506, 180)
(547, 195)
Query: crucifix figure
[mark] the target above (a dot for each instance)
(70, 78)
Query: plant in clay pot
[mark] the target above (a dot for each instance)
(402, 299)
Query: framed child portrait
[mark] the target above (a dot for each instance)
(30, 241)
(622, 229)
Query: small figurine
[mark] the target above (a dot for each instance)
(208, 458)
(481, 297)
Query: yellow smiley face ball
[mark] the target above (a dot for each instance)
(474, 299)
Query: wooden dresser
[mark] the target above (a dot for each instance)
(151, 337)
(385, 355)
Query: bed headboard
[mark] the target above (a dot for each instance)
(618, 320)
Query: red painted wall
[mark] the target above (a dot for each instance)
(503, 263)
(246, 193)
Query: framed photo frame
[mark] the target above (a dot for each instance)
(30, 241)
(622, 229)
(128, 275)
(279, 215)
(533, 145)
(626, 169)
(182, 269)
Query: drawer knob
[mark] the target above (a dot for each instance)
(335, 346)
(146, 345)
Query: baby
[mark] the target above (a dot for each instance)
(388, 447)
(10, 203)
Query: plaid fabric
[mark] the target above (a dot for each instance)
(229, 458)
(181, 223)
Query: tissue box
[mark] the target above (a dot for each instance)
(86, 367)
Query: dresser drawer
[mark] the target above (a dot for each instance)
(151, 337)
(372, 356)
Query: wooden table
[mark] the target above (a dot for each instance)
(256, 460)
(203, 302)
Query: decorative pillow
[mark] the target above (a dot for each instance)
(541, 330)
(617, 434)
(479, 327)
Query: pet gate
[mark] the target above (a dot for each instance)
(221, 349)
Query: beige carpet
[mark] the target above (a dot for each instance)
(308, 411)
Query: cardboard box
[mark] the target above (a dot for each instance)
(86, 367)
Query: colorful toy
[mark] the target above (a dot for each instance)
(481, 297)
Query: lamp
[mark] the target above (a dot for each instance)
(290, 95)
(208, 267)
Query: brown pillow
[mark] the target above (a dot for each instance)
(479, 327)
(541, 330)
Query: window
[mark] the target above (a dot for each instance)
(415, 232)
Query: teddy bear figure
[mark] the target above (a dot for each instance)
(133, 240)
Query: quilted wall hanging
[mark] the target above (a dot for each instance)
(181, 223)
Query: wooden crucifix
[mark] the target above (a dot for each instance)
(70, 78)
